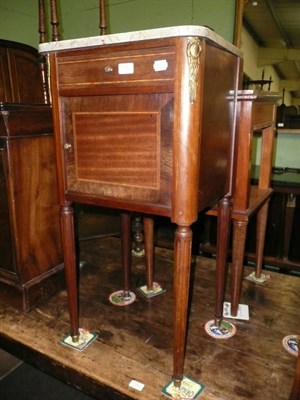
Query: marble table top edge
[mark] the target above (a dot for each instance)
(125, 37)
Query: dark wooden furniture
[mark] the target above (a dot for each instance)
(256, 113)
(31, 257)
(20, 74)
(30, 245)
(141, 124)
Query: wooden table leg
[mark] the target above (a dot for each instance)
(126, 251)
(238, 249)
(182, 266)
(138, 238)
(223, 232)
(261, 226)
(295, 393)
(149, 250)
(69, 251)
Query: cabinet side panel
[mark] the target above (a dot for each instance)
(36, 218)
(220, 79)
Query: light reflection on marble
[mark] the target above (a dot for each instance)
(159, 33)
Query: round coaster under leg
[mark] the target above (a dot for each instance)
(138, 253)
(290, 344)
(223, 331)
(122, 298)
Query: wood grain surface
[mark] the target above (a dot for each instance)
(135, 342)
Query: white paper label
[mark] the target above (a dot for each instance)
(160, 65)
(136, 385)
(125, 68)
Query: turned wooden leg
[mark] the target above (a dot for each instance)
(295, 393)
(223, 232)
(182, 266)
(149, 250)
(138, 238)
(238, 250)
(261, 226)
(126, 252)
(68, 244)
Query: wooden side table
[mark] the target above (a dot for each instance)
(256, 114)
(142, 124)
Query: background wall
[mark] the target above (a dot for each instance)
(80, 18)
(250, 51)
(287, 146)
(19, 21)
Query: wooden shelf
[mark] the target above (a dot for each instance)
(257, 199)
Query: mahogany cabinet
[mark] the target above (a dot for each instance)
(31, 262)
(143, 124)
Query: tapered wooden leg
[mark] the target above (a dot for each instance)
(182, 266)
(261, 226)
(238, 250)
(295, 392)
(68, 244)
(149, 250)
(223, 231)
(126, 252)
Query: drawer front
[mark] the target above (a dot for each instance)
(100, 70)
(263, 115)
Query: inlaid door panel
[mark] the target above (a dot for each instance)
(121, 147)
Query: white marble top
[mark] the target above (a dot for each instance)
(159, 33)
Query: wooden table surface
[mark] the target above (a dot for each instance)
(135, 342)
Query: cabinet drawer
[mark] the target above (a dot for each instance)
(99, 70)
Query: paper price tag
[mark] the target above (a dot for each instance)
(136, 385)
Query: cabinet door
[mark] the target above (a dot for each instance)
(5, 88)
(26, 79)
(7, 259)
